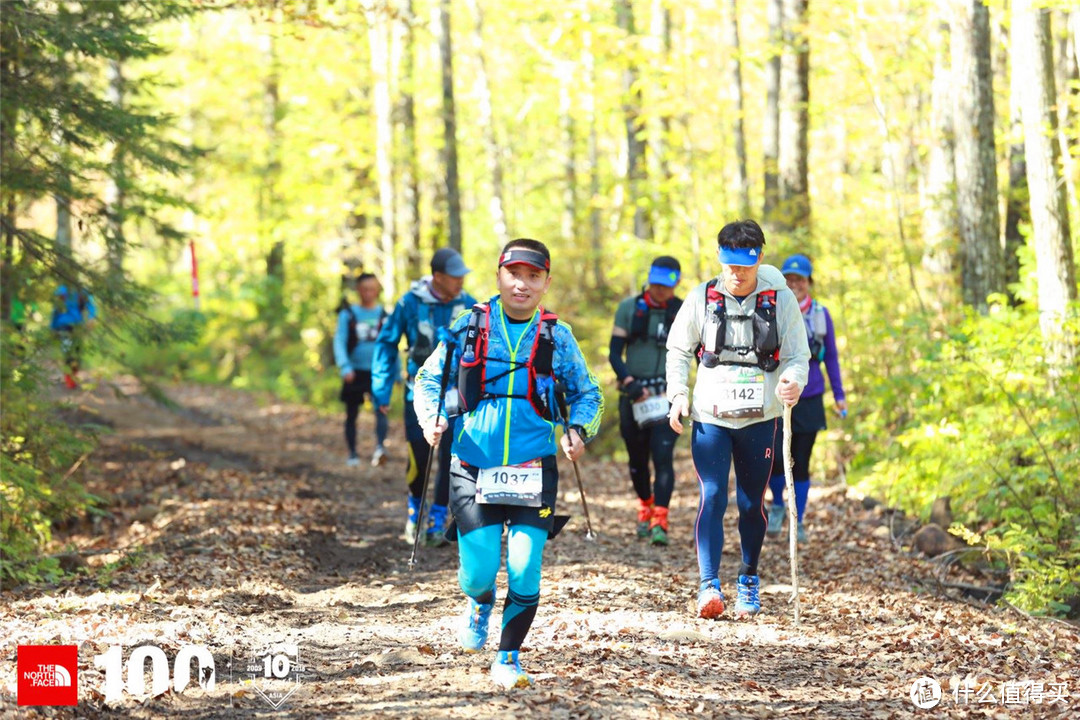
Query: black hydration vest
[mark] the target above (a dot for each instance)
(766, 343)
(472, 372)
(639, 322)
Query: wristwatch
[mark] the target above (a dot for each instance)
(580, 431)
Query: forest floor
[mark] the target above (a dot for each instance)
(233, 523)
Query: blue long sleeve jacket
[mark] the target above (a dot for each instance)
(507, 430)
(419, 316)
(69, 311)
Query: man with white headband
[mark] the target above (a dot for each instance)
(745, 327)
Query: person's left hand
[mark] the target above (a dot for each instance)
(841, 408)
(788, 391)
(572, 445)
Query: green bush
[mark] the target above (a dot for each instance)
(38, 448)
(981, 414)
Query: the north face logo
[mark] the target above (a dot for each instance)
(48, 675)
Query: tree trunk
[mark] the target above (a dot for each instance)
(8, 125)
(635, 125)
(449, 152)
(771, 122)
(114, 187)
(409, 231)
(596, 233)
(794, 207)
(568, 226)
(939, 222)
(269, 206)
(742, 183)
(976, 164)
(1016, 199)
(1056, 272)
(487, 125)
(378, 40)
(660, 32)
(1067, 75)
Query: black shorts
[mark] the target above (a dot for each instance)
(470, 515)
(355, 391)
(808, 415)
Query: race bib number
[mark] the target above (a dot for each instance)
(511, 485)
(651, 410)
(736, 391)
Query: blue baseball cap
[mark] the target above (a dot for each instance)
(665, 271)
(448, 260)
(798, 265)
(739, 256)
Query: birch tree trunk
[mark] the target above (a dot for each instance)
(660, 168)
(596, 232)
(409, 229)
(982, 272)
(568, 226)
(939, 222)
(268, 200)
(487, 126)
(635, 126)
(378, 41)
(449, 153)
(114, 186)
(742, 183)
(1016, 198)
(771, 121)
(794, 118)
(1049, 214)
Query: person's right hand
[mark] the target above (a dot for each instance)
(680, 408)
(433, 431)
(350, 376)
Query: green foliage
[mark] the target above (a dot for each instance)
(37, 452)
(980, 413)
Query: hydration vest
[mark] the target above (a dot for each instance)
(426, 332)
(472, 372)
(766, 342)
(816, 329)
(639, 323)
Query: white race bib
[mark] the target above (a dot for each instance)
(734, 391)
(651, 410)
(511, 484)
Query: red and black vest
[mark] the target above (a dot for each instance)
(472, 371)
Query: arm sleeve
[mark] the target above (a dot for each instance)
(794, 348)
(615, 357)
(385, 363)
(583, 394)
(341, 336)
(832, 360)
(683, 341)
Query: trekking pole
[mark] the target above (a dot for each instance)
(560, 398)
(792, 512)
(431, 451)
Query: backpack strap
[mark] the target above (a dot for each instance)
(766, 334)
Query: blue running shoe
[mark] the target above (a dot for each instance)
(747, 602)
(474, 631)
(506, 671)
(436, 526)
(710, 601)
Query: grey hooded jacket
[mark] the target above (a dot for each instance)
(684, 339)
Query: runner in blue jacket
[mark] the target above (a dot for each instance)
(508, 354)
(422, 315)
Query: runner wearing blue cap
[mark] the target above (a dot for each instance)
(744, 326)
(508, 354)
(808, 417)
(422, 315)
(641, 328)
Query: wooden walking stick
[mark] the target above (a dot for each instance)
(793, 515)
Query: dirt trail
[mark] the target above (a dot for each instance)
(234, 523)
